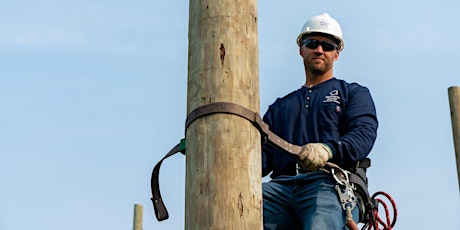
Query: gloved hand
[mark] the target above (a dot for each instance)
(314, 156)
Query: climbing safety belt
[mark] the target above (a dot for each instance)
(217, 107)
(352, 191)
(357, 178)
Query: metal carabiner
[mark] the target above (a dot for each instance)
(347, 196)
(341, 181)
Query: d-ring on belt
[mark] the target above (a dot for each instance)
(217, 107)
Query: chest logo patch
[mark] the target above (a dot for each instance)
(332, 97)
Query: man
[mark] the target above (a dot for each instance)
(333, 120)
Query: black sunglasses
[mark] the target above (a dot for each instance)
(313, 44)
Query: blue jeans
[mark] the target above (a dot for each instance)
(304, 202)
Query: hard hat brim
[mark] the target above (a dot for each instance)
(333, 37)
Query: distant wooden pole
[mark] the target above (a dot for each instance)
(137, 223)
(223, 166)
(454, 101)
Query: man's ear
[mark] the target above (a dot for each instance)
(336, 56)
(300, 50)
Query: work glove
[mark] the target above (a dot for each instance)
(314, 156)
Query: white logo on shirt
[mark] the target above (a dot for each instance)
(333, 97)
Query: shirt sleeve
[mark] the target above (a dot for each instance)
(267, 152)
(358, 129)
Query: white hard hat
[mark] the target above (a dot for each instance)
(322, 24)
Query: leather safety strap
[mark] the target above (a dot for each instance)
(160, 209)
(359, 179)
(217, 107)
(253, 117)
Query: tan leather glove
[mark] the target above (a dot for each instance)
(314, 156)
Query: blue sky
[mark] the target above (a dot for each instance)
(93, 94)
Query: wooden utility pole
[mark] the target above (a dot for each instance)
(137, 223)
(223, 166)
(454, 101)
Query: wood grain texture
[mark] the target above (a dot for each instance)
(223, 168)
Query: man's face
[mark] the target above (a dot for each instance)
(317, 60)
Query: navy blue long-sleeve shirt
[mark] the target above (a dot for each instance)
(339, 114)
